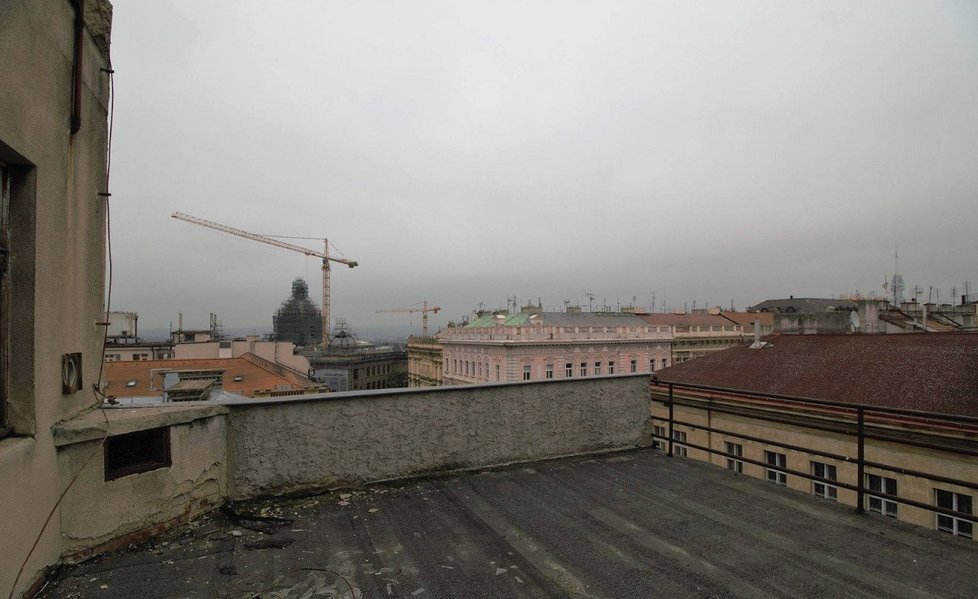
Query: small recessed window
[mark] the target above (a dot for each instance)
(136, 452)
(238, 379)
(131, 383)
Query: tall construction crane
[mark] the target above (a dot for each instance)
(285, 246)
(424, 314)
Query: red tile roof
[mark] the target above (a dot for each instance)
(748, 318)
(935, 372)
(257, 374)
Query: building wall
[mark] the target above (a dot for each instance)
(810, 324)
(349, 439)
(57, 262)
(280, 352)
(932, 461)
(131, 351)
(425, 361)
(100, 515)
(364, 369)
(474, 363)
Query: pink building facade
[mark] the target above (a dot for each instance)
(551, 345)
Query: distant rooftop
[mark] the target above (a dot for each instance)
(918, 371)
(804, 305)
(691, 319)
(634, 524)
(244, 374)
(560, 319)
(748, 318)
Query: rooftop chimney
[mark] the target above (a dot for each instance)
(758, 344)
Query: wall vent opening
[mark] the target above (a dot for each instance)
(136, 452)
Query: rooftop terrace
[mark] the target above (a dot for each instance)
(629, 524)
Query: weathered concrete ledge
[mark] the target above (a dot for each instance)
(283, 445)
(96, 424)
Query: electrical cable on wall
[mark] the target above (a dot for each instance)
(108, 298)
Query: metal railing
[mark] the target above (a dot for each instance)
(822, 415)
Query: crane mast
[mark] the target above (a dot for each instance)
(424, 314)
(285, 246)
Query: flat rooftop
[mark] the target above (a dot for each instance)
(633, 524)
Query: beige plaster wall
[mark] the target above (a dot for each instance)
(57, 274)
(97, 512)
(352, 438)
(940, 463)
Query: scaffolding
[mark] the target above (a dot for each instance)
(298, 320)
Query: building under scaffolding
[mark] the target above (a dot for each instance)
(298, 319)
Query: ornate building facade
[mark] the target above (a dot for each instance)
(533, 345)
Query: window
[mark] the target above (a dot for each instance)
(665, 362)
(568, 370)
(652, 364)
(659, 437)
(881, 484)
(634, 365)
(597, 368)
(959, 502)
(140, 357)
(497, 372)
(821, 488)
(140, 451)
(778, 460)
(113, 357)
(550, 371)
(680, 437)
(611, 366)
(526, 372)
(131, 383)
(583, 368)
(734, 449)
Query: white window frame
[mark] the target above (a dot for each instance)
(736, 449)
(951, 524)
(679, 437)
(568, 370)
(823, 489)
(527, 372)
(583, 368)
(633, 365)
(659, 431)
(597, 369)
(550, 371)
(778, 460)
(611, 366)
(879, 505)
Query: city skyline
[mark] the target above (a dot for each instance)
(465, 154)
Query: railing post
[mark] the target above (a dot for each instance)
(670, 420)
(861, 460)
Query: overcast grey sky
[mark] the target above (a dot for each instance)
(464, 152)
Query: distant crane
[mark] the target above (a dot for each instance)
(285, 246)
(424, 314)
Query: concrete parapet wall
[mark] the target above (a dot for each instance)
(100, 515)
(347, 439)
